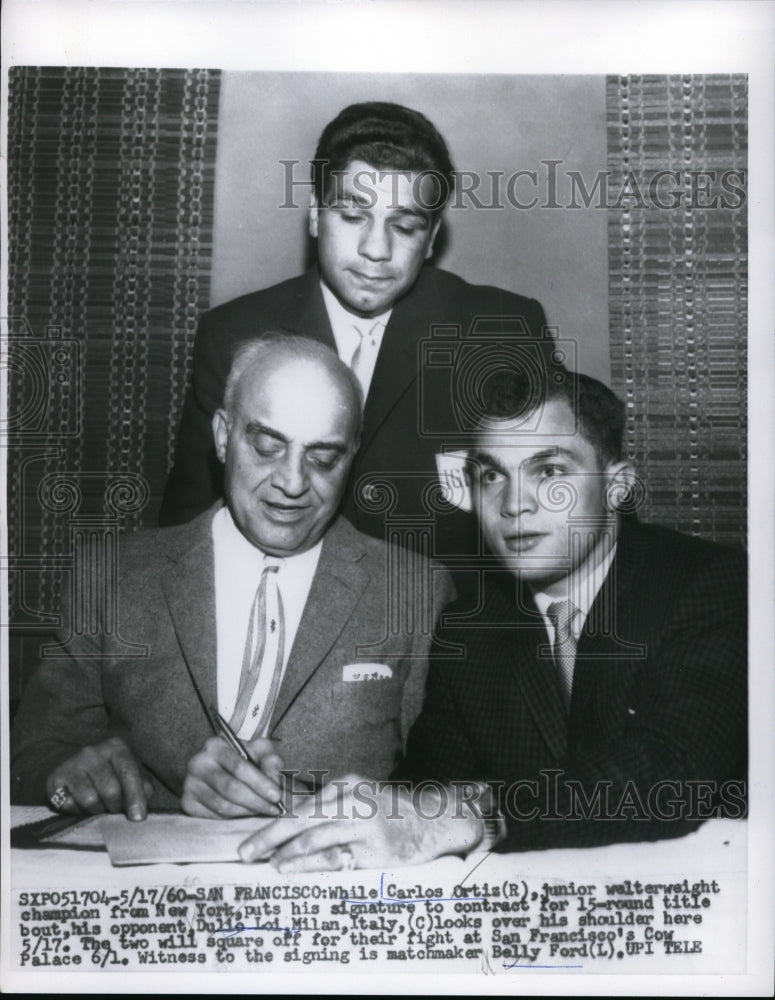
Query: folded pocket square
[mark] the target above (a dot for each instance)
(366, 672)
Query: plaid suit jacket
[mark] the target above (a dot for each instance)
(655, 738)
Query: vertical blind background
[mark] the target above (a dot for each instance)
(677, 296)
(110, 203)
(110, 180)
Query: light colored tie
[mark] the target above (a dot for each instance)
(364, 357)
(262, 660)
(562, 615)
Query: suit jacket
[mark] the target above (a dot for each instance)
(413, 406)
(156, 693)
(659, 695)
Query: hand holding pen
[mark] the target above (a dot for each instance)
(230, 778)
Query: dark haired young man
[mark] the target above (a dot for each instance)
(381, 177)
(601, 690)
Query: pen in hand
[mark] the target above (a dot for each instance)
(228, 734)
(225, 731)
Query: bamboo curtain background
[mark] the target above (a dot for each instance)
(678, 295)
(110, 182)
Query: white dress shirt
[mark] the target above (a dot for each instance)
(581, 587)
(238, 568)
(345, 326)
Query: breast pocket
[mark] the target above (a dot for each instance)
(367, 702)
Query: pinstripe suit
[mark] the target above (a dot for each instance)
(660, 697)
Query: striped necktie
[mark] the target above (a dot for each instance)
(262, 660)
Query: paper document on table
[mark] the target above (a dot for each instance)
(175, 838)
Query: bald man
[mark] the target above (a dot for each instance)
(268, 610)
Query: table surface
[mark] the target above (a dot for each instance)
(718, 846)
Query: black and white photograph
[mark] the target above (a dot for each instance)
(387, 554)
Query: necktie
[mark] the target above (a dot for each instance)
(262, 660)
(562, 614)
(364, 356)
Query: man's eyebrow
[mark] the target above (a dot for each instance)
(416, 213)
(346, 199)
(255, 427)
(355, 199)
(556, 452)
(485, 458)
(338, 446)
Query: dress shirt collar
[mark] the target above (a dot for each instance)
(581, 587)
(241, 555)
(345, 324)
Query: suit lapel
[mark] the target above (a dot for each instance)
(337, 587)
(189, 587)
(398, 363)
(535, 677)
(312, 319)
(602, 640)
(534, 674)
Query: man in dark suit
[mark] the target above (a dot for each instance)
(319, 666)
(600, 694)
(418, 337)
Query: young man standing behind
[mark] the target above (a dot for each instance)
(382, 175)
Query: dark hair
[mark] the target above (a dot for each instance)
(388, 137)
(514, 395)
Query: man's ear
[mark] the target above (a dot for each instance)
(313, 216)
(434, 233)
(220, 427)
(620, 484)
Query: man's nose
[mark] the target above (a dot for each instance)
(518, 497)
(290, 476)
(375, 242)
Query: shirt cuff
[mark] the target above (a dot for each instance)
(493, 823)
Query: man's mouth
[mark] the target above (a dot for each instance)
(523, 541)
(284, 511)
(371, 279)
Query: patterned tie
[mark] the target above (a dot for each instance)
(262, 661)
(364, 356)
(562, 614)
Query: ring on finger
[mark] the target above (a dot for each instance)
(60, 797)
